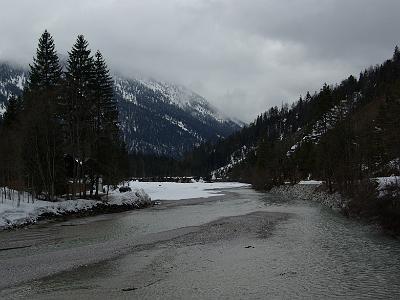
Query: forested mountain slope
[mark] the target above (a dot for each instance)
(167, 119)
(340, 134)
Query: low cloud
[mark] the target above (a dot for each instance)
(244, 56)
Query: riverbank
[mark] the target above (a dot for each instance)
(374, 202)
(312, 191)
(15, 214)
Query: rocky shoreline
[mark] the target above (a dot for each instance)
(312, 192)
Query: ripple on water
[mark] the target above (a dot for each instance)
(333, 257)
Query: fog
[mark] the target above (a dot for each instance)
(243, 56)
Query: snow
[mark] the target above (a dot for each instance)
(175, 94)
(394, 164)
(310, 182)
(384, 181)
(180, 124)
(384, 184)
(327, 121)
(2, 109)
(20, 82)
(236, 158)
(179, 191)
(13, 215)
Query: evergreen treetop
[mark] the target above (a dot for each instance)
(396, 54)
(80, 66)
(45, 72)
(104, 92)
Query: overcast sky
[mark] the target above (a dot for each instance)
(242, 55)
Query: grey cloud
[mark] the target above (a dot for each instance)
(244, 56)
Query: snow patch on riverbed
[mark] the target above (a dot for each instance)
(12, 214)
(180, 191)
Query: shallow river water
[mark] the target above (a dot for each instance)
(243, 245)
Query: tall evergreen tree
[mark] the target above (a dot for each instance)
(80, 68)
(40, 127)
(78, 105)
(105, 117)
(106, 111)
(45, 72)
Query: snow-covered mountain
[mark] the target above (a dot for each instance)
(155, 117)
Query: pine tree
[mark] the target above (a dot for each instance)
(40, 127)
(80, 68)
(106, 110)
(105, 116)
(46, 70)
(78, 105)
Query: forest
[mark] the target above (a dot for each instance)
(61, 137)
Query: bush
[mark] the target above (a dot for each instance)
(364, 199)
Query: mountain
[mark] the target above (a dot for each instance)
(155, 117)
(169, 119)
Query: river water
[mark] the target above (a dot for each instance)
(243, 245)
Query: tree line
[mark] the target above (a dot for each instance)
(61, 136)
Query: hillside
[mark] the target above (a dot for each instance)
(341, 134)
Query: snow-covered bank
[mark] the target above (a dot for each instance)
(12, 215)
(179, 191)
(311, 190)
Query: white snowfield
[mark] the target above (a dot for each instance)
(180, 191)
(12, 215)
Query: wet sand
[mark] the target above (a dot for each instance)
(138, 273)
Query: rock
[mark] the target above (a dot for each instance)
(129, 289)
(124, 189)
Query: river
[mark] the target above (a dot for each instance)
(242, 245)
